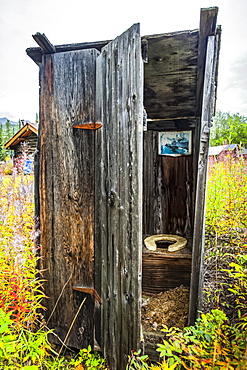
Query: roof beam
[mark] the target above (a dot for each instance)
(36, 53)
(44, 43)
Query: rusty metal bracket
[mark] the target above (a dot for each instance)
(88, 126)
(90, 291)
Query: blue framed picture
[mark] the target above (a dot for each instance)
(174, 143)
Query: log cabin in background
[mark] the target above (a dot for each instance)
(27, 134)
(122, 155)
(24, 144)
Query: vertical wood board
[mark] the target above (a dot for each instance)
(118, 225)
(208, 20)
(199, 227)
(67, 96)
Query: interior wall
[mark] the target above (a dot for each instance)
(167, 191)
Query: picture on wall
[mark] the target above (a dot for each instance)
(175, 143)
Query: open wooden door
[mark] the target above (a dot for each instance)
(118, 192)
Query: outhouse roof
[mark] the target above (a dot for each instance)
(173, 68)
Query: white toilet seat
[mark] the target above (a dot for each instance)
(180, 243)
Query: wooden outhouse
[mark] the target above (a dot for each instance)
(122, 155)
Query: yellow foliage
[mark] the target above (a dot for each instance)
(164, 366)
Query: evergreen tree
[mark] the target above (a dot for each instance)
(2, 142)
(8, 131)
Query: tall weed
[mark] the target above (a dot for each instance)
(226, 212)
(20, 289)
(22, 343)
(23, 335)
(218, 340)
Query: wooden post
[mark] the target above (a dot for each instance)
(199, 226)
(66, 195)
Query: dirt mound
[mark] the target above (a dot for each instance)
(166, 308)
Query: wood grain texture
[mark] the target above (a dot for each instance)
(118, 226)
(171, 75)
(199, 226)
(164, 271)
(208, 21)
(66, 182)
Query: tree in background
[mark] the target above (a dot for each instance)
(2, 142)
(6, 133)
(229, 128)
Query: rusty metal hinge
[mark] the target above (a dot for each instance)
(90, 291)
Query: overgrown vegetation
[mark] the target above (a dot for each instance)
(229, 128)
(218, 340)
(23, 334)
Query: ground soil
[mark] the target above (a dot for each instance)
(168, 308)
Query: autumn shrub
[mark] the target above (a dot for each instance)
(212, 343)
(21, 341)
(226, 231)
(226, 214)
(218, 340)
(23, 333)
(6, 167)
(20, 289)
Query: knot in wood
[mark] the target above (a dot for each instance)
(111, 197)
(129, 297)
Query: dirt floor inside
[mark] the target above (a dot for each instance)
(168, 308)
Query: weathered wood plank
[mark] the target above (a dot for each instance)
(161, 272)
(44, 43)
(218, 42)
(66, 180)
(118, 229)
(36, 53)
(199, 227)
(171, 75)
(208, 20)
(173, 125)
